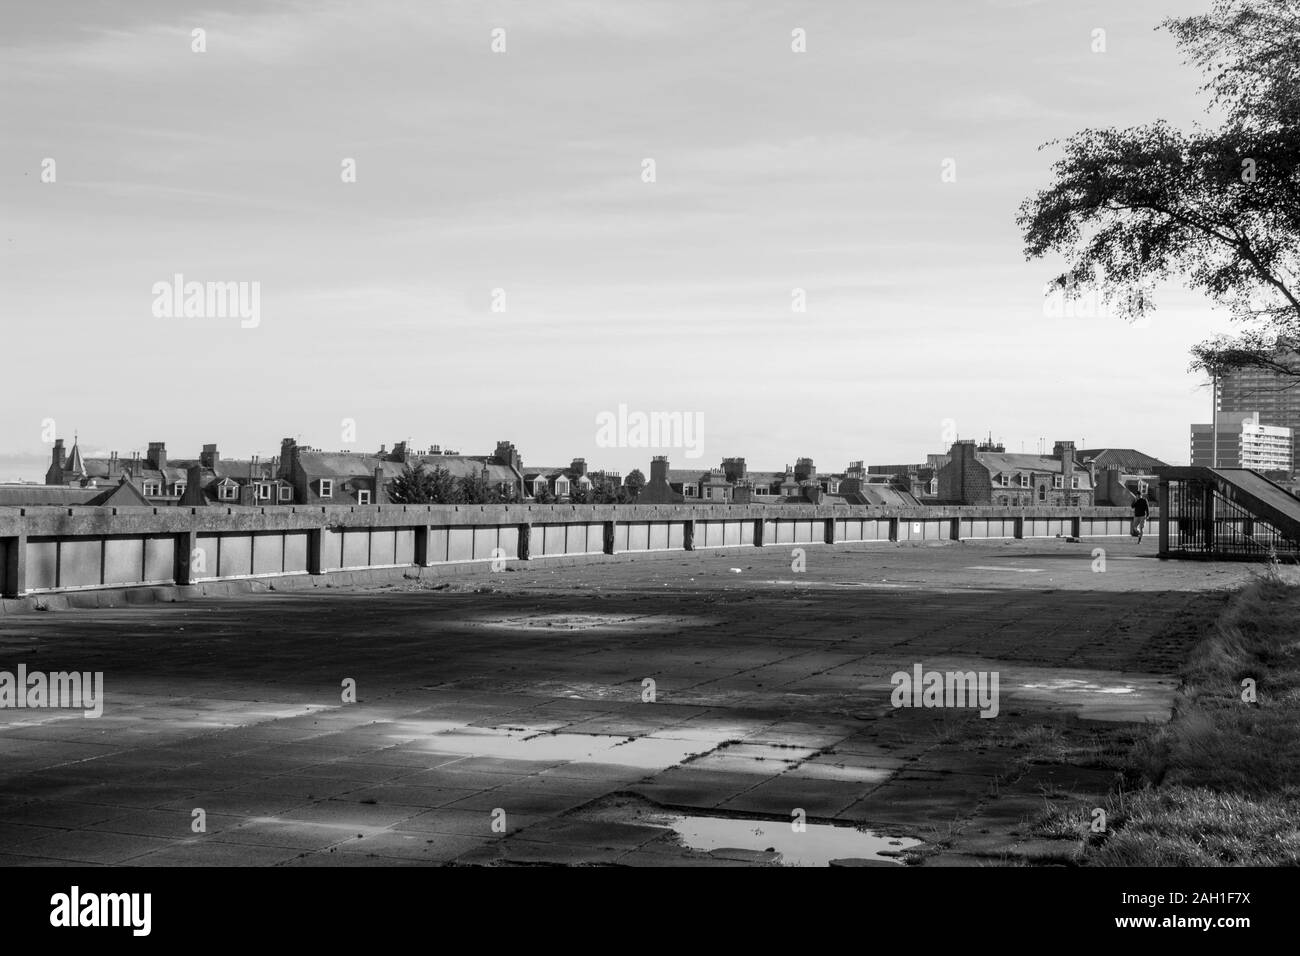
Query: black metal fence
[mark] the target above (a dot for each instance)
(1203, 522)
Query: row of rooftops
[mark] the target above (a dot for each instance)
(297, 473)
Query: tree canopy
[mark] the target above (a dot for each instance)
(1218, 207)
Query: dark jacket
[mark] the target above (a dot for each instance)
(1140, 508)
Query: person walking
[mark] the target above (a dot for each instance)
(1140, 511)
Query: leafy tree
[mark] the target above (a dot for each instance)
(476, 490)
(1219, 208)
(418, 486)
(633, 483)
(544, 496)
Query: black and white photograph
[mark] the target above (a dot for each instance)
(601, 437)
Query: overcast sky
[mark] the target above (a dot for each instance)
(522, 171)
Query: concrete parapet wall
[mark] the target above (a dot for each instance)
(63, 549)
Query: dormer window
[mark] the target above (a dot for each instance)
(363, 497)
(326, 488)
(1024, 481)
(263, 491)
(286, 494)
(178, 489)
(152, 488)
(228, 491)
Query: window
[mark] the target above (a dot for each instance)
(1042, 492)
(228, 491)
(1058, 481)
(363, 497)
(1074, 482)
(934, 486)
(263, 491)
(688, 491)
(561, 486)
(1024, 481)
(326, 488)
(178, 489)
(152, 488)
(286, 493)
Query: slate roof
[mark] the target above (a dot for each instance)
(1007, 463)
(351, 465)
(1128, 460)
(39, 496)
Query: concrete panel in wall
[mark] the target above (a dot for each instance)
(746, 532)
(595, 539)
(508, 540)
(356, 548)
(160, 558)
(551, 538)
(79, 562)
(485, 542)
(667, 536)
(235, 557)
(620, 537)
(295, 551)
(807, 532)
(708, 534)
(438, 544)
(404, 546)
(331, 550)
(123, 560)
(731, 533)
(784, 532)
(383, 546)
(205, 564)
(42, 563)
(268, 553)
(460, 544)
(923, 530)
(638, 536)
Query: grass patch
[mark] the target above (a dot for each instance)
(1219, 785)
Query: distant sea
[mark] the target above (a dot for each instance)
(22, 468)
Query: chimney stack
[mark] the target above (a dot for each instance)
(1065, 451)
(579, 466)
(377, 494)
(157, 458)
(209, 457)
(659, 469)
(59, 457)
(507, 454)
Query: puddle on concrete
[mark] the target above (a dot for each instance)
(581, 621)
(817, 845)
(540, 744)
